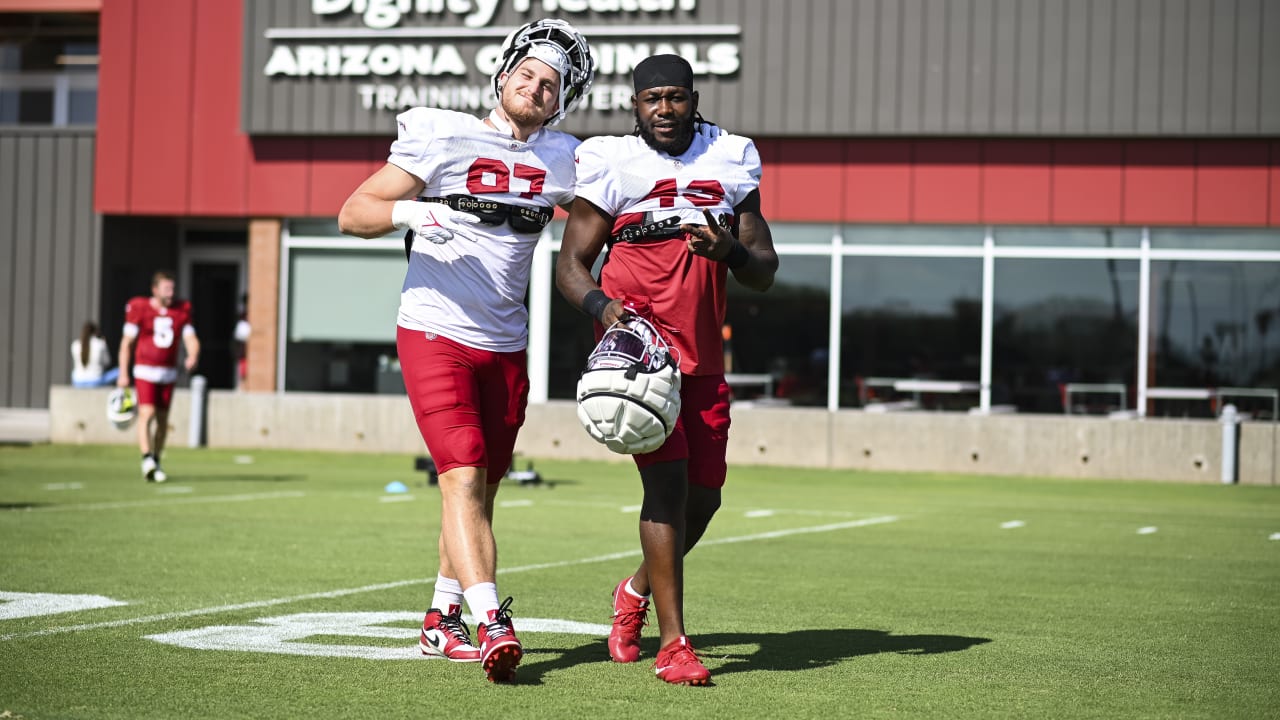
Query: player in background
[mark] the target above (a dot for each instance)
(152, 326)
(679, 210)
(490, 186)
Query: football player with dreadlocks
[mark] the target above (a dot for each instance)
(485, 189)
(678, 209)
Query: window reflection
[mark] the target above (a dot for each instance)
(1060, 322)
(910, 318)
(782, 334)
(1214, 324)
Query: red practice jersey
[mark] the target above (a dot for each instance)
(158, 332)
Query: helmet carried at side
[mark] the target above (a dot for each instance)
(559, 45)
(629, 394)
(122, 409)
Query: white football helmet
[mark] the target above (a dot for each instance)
(122, 409)
(559, 45)
(629, 395)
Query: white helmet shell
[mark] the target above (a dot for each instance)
(629, 395)
(559, 45)
(122, 409)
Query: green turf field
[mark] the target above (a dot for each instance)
(290, 585)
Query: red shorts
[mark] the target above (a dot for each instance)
(469, 403)
(150, 393)
(702, 431)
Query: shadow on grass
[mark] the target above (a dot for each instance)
(727, 653)
(22, 506)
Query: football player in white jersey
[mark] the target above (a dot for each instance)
(679, 209)
(485, 189)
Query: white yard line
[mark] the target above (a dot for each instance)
(249, 497)
(428, 581)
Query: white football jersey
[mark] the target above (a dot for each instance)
(623, 175)
(472, 288)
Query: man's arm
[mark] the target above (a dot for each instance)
(367, 213)
(755, 236)
(126, 354)
(584, 237)
(750, 255)
(192, 343)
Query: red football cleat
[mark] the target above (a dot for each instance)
(678, 664)
(500, 649)
(629, 617)
(447, 636)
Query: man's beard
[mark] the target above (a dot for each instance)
(527, 115)
(676, 146)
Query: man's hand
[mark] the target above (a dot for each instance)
(432, 221)
(711, 240)
(123, 380)
(190, 363)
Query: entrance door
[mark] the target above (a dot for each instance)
(215, 297)
(214, 279)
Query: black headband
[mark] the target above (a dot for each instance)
(663, 71)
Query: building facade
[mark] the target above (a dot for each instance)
(990, 205)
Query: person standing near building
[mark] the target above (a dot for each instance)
(490, 186)
(678, 209)
(154, 324)
(91, 359)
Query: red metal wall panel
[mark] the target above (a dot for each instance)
(946, 181)
(1088, 183)
(1016, 184)
(1159, 183)
(877, 182)
(111, 165)
(161, 142)
(279, 177)
(1273, 181)
(1231, 183)
(337, 167)
(809, 176)
(220, 152)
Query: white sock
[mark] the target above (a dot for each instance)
(482, 599)
(632, 591)
(448, 594)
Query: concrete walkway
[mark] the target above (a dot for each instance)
(24, 426)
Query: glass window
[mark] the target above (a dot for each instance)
(802, 233)
(48, 68)
(1214, 239)
(778, 341)
(913, 235)
(909, 318)
(1068, 237)
(1062, 321)
(341, 320)
(1214, 324)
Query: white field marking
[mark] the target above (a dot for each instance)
(723, 509)
(1012, 524)
(162, 617)
(1274, 536)
(281, 634)
(395, 498)
(18, 605)
(174, 490)
(64, 486)
(516, 503)
(1149, 530)
(172, 501)
(758, 513)
(242, 459)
